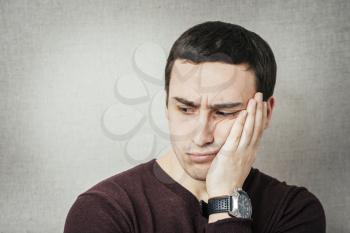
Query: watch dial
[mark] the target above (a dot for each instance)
(244, 205)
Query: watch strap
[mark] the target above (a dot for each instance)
(204, 208)
(219, 205)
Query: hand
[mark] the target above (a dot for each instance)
(232, 164)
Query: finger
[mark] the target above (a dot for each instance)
(258, 125)
(234, 136)
(249, 125)
(264, 122)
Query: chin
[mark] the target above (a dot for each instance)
(197, 171)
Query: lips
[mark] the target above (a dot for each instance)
(202, 157)
(211, 154)
(204, 154)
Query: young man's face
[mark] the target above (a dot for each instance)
(202, 128)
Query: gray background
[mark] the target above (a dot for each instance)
(59, 61)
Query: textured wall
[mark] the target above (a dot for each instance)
(75, 97)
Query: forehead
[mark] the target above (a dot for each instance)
(215, 81)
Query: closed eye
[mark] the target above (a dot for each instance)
(226, 113)
(187, 110)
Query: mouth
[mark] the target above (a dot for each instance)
(199, 155)
(203, 153)
(202, 157)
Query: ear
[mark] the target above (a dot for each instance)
(271, 102)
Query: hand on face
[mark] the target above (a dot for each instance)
(232, 164)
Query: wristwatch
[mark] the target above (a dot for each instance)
(237, 204)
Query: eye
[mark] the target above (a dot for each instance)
(184, 109)
(226, 113)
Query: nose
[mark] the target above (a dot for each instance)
(203, 133)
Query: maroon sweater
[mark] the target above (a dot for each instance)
(146, 199)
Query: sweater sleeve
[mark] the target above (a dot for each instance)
(302, 213)
(230, 225)
(92, 213)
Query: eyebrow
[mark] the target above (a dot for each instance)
(214, 106)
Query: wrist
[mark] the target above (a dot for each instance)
(218, 195)
(238, 204)
(218, 216)
(224, 193)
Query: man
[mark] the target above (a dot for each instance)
(219, 87)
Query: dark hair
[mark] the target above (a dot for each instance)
(218, 41)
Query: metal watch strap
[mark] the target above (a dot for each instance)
(219, 204)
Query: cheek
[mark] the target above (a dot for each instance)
(222, 130)
(181, 127)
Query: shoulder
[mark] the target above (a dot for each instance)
(295, 207)
(107, 204)
(96, 213)
(122, 182)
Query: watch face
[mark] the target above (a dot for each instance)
(244, 205)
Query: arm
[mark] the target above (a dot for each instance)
(95, 213)
(231, 166)
(300, 212)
